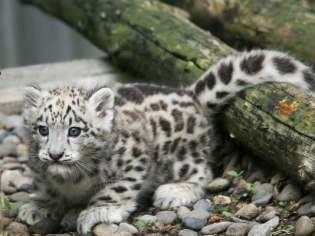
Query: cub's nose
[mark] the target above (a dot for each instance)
(55, 156)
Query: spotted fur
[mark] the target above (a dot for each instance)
(135, 138)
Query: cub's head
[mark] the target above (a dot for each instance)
(67, 128)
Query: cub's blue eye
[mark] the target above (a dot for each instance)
(74, 132)
(43, 130)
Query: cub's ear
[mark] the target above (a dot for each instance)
(31, 96)
(102, 102)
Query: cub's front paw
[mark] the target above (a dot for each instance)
(31, 213)
(102, 214)
(176, 194)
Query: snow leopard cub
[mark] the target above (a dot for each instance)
(104, 148)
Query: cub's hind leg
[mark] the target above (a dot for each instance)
(187, 189)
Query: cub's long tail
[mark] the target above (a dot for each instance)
(233, 74)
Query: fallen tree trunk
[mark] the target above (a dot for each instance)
(145, 36)
(286, 25)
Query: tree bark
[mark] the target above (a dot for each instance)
(147, 37)
(277, 123)
(287, 25)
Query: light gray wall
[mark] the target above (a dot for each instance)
(29, 36)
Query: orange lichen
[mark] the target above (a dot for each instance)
(286, 109)
(214, 218)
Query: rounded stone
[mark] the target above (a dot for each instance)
(306, 209)
(238, 229)
(261, 190)
(23, 159)
(248, 212)
(16, 228)
(304, 226)
(221, 200)
(166, 217)
(6, 221)
(8, 149)
(105, 229)
(218, 185)
(19, 197)
(22, 149)
(195, 219)
(216, 228)
(267, 214)
(263, 200)
(277, 178)
(125, 227)
(182, 210)
(148, 218)
(204, 205)
(290, 193)
(27, 188)
(264, 229)
(187, 232)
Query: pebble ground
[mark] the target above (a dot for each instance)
(247, 201)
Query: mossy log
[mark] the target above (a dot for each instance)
(287, 25)
(147, 37)
(150, 39)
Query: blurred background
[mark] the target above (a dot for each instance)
(28, 36)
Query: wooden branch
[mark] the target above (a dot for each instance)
(145, 36)
(286, 25)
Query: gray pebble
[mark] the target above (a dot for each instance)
(264, 200)
(8, 149)
(8, 189)
(187, 232)
(18, 182)
(21, 197)
(166, 217)
(307, 198)
(105, 229)
(16, 228)
(251, 224)
(27, 188)
(277, 178)
(195, 219)
(238, 229)
(182, 210)
(304, 226)
(216, 227)
(23, 159)
(148, 218)
(203, 204)
(264, 229)
(3, 135)
(248, 212)
(11, 121)
(261, 190)
(218, 185)
(290, 193)
(46, 226)
(8, 176)
(221, 200)
(125, 227)
(306, 209)
(268, 214)
(11, 139)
